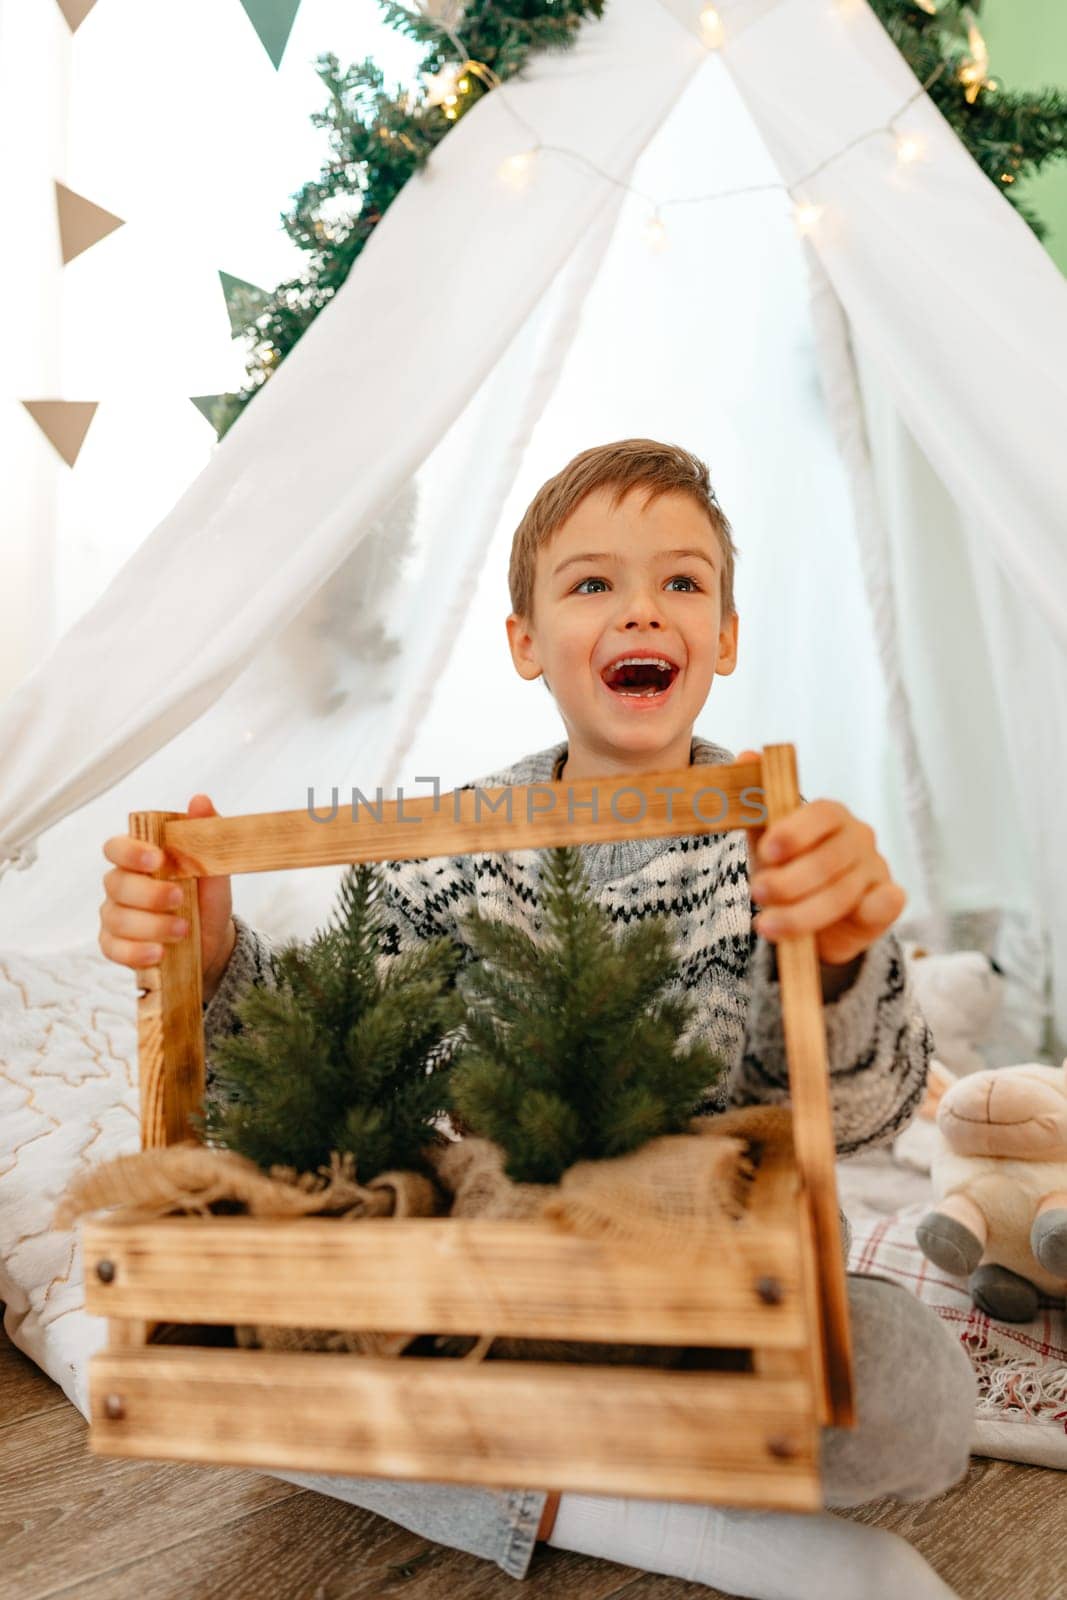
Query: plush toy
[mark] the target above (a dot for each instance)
(960, 994)
(1000, 1185)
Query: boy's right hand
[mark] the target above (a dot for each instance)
(137, 916)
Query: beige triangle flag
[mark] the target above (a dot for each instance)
(81, 223)
(64, 423)
(76, 12)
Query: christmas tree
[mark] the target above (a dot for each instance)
(572, 1048)
(346, 1054)
(1011, 133)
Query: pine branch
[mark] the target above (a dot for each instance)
(347, 1053)
(573, 1051)
(1012, 134)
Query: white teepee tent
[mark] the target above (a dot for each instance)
(881, 404)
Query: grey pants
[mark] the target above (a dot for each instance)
(915, 1402)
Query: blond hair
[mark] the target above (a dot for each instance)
(627, 464)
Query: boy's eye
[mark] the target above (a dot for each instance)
(680, 577)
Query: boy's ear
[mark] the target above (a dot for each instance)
(727, 660)
(521, 644)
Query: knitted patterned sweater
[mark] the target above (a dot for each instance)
(878, 1041)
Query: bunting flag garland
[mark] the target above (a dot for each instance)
(64, 423)
(75, 12)
(81, 223)
(211, 406)
(273, 21)
(244, 301)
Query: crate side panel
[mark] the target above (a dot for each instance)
(447, 1275)
(736, 1438)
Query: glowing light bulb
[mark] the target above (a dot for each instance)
(517, 170)
(910, 147)
(655, 233)
(440, 87)
(806, 216)
(972, 73)
(711, 29)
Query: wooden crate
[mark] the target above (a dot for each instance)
(764, 1299)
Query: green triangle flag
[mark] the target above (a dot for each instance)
(273, 21)
(212, 407)
(244, 301)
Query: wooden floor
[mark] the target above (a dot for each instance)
(85, 1528)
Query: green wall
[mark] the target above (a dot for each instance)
(1027, 42)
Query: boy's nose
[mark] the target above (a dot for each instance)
(643, 611)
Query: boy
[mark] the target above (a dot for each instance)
(630, 659)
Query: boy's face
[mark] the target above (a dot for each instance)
(627, 595)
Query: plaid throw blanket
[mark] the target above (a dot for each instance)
(1021, 1366)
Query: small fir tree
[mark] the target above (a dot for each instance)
(571, 1048)
(346, 1053)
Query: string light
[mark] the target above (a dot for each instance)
(972, 73)
(517, 170)
(655, 233)
(806, 215)
(910, 147)
(711, 28)
(441, 86)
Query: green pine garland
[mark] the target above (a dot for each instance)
(1011, 134)
(379, 138)
(340, 1056)
(571, 1047)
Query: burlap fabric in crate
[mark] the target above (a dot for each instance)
(194, 1178)
(661, 1198)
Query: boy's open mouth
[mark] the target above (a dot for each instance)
(647, 679)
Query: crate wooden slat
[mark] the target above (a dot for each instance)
(809, 1089)
(777, 1186)
(635, 1432)
(703, 799)
(778, 1293)
(458, 1277)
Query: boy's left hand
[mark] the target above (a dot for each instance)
(827, 879)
